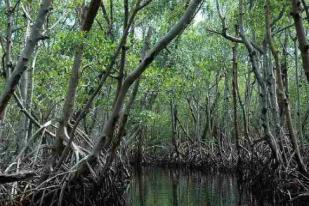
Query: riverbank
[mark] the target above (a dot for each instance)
(255, 170)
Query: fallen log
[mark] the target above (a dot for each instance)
(8, 178)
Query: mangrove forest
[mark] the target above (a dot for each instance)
(154, 102)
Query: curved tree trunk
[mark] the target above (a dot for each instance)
(108, 130)
(69, 102)
(22, 63)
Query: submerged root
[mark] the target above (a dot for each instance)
(189, 154)
(55, 186)
(58, 190)
(256, 169)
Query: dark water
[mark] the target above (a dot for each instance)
(162, 187)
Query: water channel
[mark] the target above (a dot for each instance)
(165, 187)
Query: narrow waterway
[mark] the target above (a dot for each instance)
(164, 187)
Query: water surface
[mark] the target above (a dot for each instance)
(163, 187)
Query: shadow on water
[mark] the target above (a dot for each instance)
(165, 187)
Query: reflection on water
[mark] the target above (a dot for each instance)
(162, 187)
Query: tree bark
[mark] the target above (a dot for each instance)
(8, 178)
(8, 50)
(25, 55)
(23, 127)
(301, 35)
(68, 106)
(234, 92)
(173, 107)
(109, 126)
(281, 95)
(253, 59)
(105, 74)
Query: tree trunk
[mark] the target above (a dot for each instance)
(301, 34)
(298, 107)
(282, 96)
(234, 92)
(21, 66)
(8, 47)
(253, 59)
(24, 83)
(108, 130)
(225, 103)
(68, 107)
(173, 107)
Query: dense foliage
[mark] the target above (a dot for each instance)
(128, 76)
